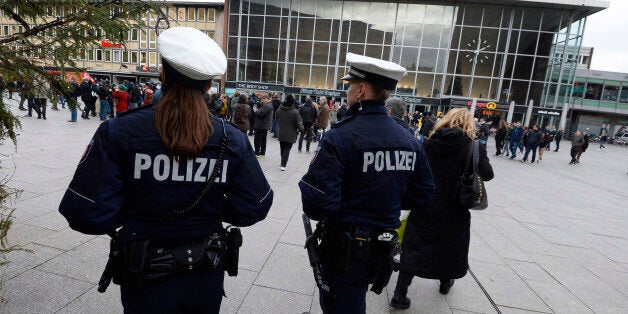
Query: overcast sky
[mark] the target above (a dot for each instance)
(606, 32)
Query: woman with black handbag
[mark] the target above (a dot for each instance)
(436, 239)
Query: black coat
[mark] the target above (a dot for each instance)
(500, 135)
(436, 240)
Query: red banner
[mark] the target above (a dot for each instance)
(108, 44)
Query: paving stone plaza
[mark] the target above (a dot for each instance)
(553, 239)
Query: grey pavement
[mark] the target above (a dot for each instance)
(553, 239)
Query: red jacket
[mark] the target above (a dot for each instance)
(123, 100)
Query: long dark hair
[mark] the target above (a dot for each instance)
(183, 121)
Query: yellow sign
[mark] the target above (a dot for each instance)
(491, 105)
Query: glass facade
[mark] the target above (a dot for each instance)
(499, 53)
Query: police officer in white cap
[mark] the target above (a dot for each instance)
(166, 177)
(366, 169)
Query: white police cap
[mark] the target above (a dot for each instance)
(378, 72)
(190, 56)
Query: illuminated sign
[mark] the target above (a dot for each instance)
(491, 105)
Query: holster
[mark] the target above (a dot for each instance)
(344, 245)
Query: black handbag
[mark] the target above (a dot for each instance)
(470, 190)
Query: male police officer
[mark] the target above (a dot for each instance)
(366, 169)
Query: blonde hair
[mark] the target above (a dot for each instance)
(459, 118)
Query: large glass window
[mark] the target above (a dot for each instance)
(593, 91)
(610, 93)
(623, 96)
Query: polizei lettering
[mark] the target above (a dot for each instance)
(397, 160)
(162, 168)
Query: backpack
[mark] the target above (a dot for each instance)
(238, 115)
(306, 114)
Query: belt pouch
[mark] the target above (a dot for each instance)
(135, 263)
(189, 257)
(341, 247)
(361, 241)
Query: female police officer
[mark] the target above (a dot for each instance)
(366, 169)
(145, 171)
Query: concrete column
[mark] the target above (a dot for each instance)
(473, 105)
(563, 117)
(511, 111)
(529, 113)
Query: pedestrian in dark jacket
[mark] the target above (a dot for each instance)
(342, 111)
(576, 143)
(500, 136)
(396, 109)
(583, 148)
(436, 240)
(263, 123)
(254, 102)
(86, 97)
(428, 125)
(276, 105)
(241, 113)
(558, 138)
(308, 115)
(532, 142)
(288, 126)
(515, 137)
(507, 139)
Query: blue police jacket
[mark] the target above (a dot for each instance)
(366, 169)
(127, 178)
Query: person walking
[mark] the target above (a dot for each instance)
(122, 99)
(531, 141)
(542, 145)
(500, 136)
(322, 120)
(576, 144)
(558, 138)
(288, 126)
(603, 138)
(436, 239)
(133, 177)
(263, 123)
(86, 97)
(515, 136)
(507, 139)
(308, 116)
(74, 92)
(357, 183)
(241, 113)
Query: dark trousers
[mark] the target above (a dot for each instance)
(403, 282)
(513, 149)
(33, 103)
(557, 145)
(259, 142)
(574, 152)
(307, 133)
(499, 145)
(88, 106)
(350, 297)
(199, 292)
(284, 148)
(22, 99)
(251, 122)
(528, 149)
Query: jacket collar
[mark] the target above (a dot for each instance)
(366, 106)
